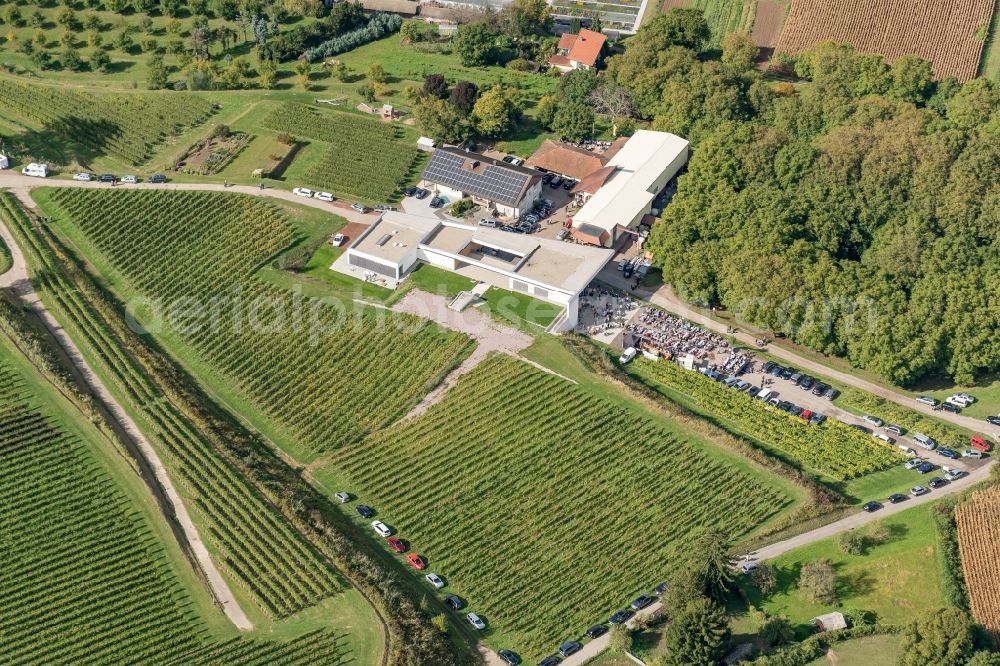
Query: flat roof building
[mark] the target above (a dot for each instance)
(552, 271)
(641, 170)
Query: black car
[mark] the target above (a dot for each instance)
(568, 185)
(819, 388)
(787, 373)
(948, 407)
(776, 370)
(550, 660)
(948, 453)
(753, 391)
(767, 367)
(926, 468)
(157, 178)
(107, 178)
(795, 410)
(806, 382)
(437, 202)
(454, 601)
(509, 657)
(831, 394)
(569, 647)
(995, 420)
(365, 511)
(896, 498)
(937, 482)
(871, 506)
(596, 630)
(546, 178)
(410, 191)
(642, 601)
(621, 616)
(421, 193)
(661, 588)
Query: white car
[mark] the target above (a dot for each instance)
(884, 438)
(83, 177)
(475, 621)
(323, 196)
(953, 474)
(972, 453)
(381, 528)
(960, 400)
(968, 398)
(914, 463)
(435, 580)
(302, 192)
(343, 497)
(874, 420)
(627, 355)
(338, 240)
(927, 400)
(130, 180)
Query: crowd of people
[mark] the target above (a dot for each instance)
(670, 336)
(603, 310)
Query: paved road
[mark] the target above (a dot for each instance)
(600, 644)
(17, 280)
(665, 298)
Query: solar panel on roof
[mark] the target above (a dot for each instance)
(383, 240)
(493, 182)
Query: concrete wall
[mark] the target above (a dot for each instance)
(438, 260)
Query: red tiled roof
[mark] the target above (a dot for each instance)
(586, 47)
(559, 61)
(594, 181)
(566, 41)
(565, 159)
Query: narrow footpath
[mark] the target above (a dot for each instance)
(17, 280)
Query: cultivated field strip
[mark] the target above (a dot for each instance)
(832, 448)
(324, 377)
(126, 126)
(264, 553)
(978, 522)
(543, 505)
(363, 157)
(944, 33)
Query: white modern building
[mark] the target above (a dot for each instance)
(549, 270)
(632, 180)
(494, 184)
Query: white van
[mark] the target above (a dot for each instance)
(765, 394)
(627, 355)
(37, 170)
(924, 441)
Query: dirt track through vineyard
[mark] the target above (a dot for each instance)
(943, 32)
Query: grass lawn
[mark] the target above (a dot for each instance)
(897, 580)
(519, 309)
(989, 65)
(869, 651)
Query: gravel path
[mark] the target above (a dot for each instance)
(17, 280)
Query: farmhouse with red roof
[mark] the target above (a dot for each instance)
(579, 51)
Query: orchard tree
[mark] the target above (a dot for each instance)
(267, 73)
(303, 70)
(156, 73)
(367, 92)
(577, 85)
(763, 578)
(739, 51)
(375, 73)
(441, 121)
(100, 61)
(818, 581)
(435, 85)
(495, 113)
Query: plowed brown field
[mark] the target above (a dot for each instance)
(978, 523)
(942, 31)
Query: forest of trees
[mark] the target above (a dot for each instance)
(858, 213)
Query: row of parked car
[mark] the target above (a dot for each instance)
(85, 177)
(923, 467)
(802, 380)
(769, 396)
(556, 181)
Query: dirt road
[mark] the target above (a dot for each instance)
(17, 280)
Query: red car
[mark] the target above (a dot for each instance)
(397, 544)
(416, 561)
(806, 415)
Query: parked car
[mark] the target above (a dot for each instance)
(896, 498)
(884, 438)
(475, 621)
(767, 367)
(661, 588)
(795, 410)
(819, 388)
(806, 383)
(980, 444)
(454, 601)
(302, 192)
(385, 208)
(972, 453)
(817, 418)
(488, 222)
(937, 482)
(753, 391)
(926, 468)
(788, 373)
(948, 453)
(895, 430)
(795, 378)
(435, 580)
(776, 370)
(569, 647)
(993, 420)
(641, 602)
(874, 420)
(421, 193)
(365, 511)
(550, 660)
(130, 180)
(410, 191)
(621, 616)
(831, 394)
(83, 177)
(547, 178)
(338, 240)
(157, 178)
(343, 497)
(748, 566)
(914, 463)
(596, 630)
(917, 491)
(555, 182)
(949, 407)
(627, 355)
(954, 474)
(381, 528)
(927, 400)
(508, 657)
(361, 208)
(107, 178)
(396, 544)
(870, 507)
(416, 561)
(568, 185)
(323, 196)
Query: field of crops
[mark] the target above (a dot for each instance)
(502, 484)
(264, 554)
(723, 16)
(949, 34)
(832, 448)
(124, 126)
(362, 157)
(83, 580)
(978, 522)
(332, 374)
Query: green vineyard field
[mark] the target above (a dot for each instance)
(362, 157)
(124, 126)
(542, 505)
(832, 448)
(325, 376)
(83, 580)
